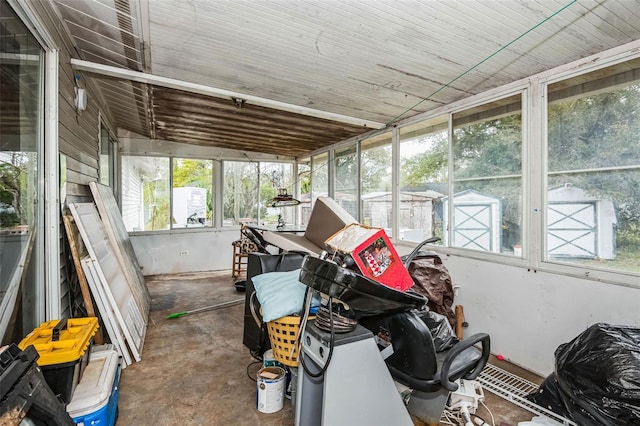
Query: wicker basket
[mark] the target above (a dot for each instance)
(283, 335)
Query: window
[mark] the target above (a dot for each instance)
(375, 180)
(248, 185)
(487, 178)
(424, 159)
(347, 179)
(21, 203)
(593, 163)
(192, 193)
(304, 187)
(240, 192)
(107, 157)
(145, 193)
(319, 176)
(274, 177)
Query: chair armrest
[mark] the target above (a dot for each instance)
(254, 308)
(456, 350)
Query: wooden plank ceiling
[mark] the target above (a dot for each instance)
(203, 120)
(376, 60)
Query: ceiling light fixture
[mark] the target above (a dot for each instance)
(238, 102)
(282, 199)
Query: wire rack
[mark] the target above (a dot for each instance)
(514, 389)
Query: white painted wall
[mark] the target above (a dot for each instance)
(160, 253)
(529, 314)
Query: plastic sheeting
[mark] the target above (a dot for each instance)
(431, 279)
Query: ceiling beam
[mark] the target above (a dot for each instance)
(124, 73)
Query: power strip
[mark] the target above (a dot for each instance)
(468, 395)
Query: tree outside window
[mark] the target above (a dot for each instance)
(593, 203)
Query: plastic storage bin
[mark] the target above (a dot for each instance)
(23, 390)
(95, 400)
(64, 348)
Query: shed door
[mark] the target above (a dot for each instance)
(472, 226)
(571, 231)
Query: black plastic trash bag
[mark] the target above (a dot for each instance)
(441, 331)
(548, 396)
(598, 376)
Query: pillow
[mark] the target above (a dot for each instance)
(280, 294)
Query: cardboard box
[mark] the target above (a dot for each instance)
(373, 253)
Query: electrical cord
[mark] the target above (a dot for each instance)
(331, 344)
(493, 420)
(479, 421)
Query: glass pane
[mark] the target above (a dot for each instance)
(145, 193)
(487, 177)
(375, 172)
(593, 199)
(21, 206)
(240, 192)
(304, 183)
(192, 191)
(319, 176)
(105, 156)
(346, 180)
(319, 181)
(424, 158)
(275, 177)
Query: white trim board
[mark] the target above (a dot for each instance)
(106, 313)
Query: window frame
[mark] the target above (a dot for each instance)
(217, 199)
(47, 298)
(541, 262)
(523, 92)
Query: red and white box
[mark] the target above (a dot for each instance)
(373, 253)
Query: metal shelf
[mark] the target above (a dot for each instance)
(515, 389)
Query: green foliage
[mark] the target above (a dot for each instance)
(489, 148)
(240, 194)
(192, 172)
(375, 170)
(595, 131)
(628, 238)
(346, 169)
(156, 204)
(17, 180)
(600, 131)
(430, 166)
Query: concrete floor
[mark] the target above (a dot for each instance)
(196, 371)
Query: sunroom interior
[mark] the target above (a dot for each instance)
(506, 129)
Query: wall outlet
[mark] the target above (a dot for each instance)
(184, 253)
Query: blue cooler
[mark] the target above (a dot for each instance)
(95, 399)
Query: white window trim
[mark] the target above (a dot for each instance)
(52, 213)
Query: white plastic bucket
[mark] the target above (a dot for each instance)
(269, 360)
(270, 389)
